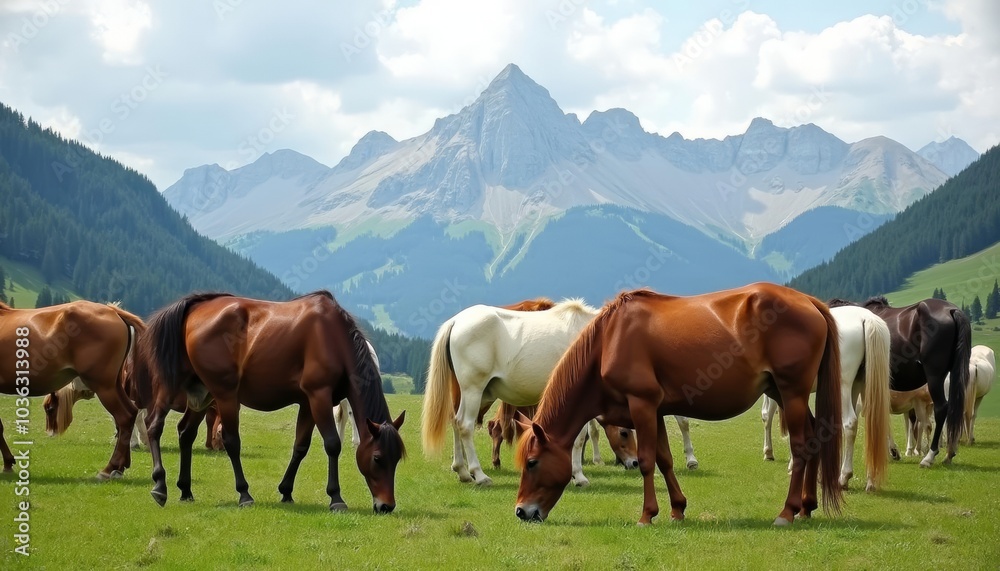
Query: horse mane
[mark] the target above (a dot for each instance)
(838, 302)
(5, 307)
(538, 304)
(573, 365)
(877, 301)
(317, 293)
(63, 417)
(572, 306)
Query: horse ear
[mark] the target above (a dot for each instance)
(399, 420)
(539, 433)
(374, 428)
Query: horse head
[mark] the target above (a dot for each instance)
(546, 469)
(377, 457)
(623, 444)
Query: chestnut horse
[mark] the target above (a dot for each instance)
(268, 355)
(917, 409)
(709, 356)
(51, 346)
(929, 339)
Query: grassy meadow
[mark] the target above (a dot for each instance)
(945, 517)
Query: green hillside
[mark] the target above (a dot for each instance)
(958, 219)
(28, 281)
(962, 280)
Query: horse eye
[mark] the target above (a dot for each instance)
(532, 462)
(624, 434)
(377, 458)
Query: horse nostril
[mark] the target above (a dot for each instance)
(635, 463)
(521, 514)
(386, 508)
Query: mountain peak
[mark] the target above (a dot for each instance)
(951, 155)
(372, 145)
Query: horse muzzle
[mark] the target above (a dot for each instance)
(529, 513)
(381, 507)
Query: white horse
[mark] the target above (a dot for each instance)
(864, 360)
(342, 412)
(920, 403)
(494, 353)
(982, 370)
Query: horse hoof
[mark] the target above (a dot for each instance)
(693, 465)
(136, 447)
(117, 474)
(870, 487)
(485, 482)
(160, 497)
(246, 503)
(926, 464)
(769, 457)
(187, 498)
(643, 524)
(338, 507)
(8, 469)
(895, 454)
(466, 478)
(287, 499)
(582, 483)
(947, 461)
(103, 476)
(781, 522)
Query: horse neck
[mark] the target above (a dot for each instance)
(367, 397)
(565, 417)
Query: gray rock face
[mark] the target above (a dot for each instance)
(951, 156)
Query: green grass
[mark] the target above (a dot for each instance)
(946, 517)
(403, 384)
(28, 281)
(962, 280)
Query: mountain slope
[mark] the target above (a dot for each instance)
(951, 155)
(961, 217)
(87, 219)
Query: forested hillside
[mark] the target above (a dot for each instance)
(103, 232)
(959, 218)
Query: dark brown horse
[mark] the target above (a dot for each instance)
(710, 356)
(929, 339)
(268, 355)
(49, 347)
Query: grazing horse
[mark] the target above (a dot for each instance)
(864, 360)
(929, 339)
(268, 355)
(51, 346)
(493, 353)
(918, 405)
(982, 370)
(709, 356)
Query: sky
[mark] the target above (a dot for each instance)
(166, 85)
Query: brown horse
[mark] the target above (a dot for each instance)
(53, 345)
(929, 339)
(710, 356)
(268, 355)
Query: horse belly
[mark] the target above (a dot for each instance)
(720, 399)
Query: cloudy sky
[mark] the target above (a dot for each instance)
(164, 85)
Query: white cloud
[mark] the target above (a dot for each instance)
(118, 25)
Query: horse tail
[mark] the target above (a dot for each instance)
(161, 347)
(440, 378)
(828, 414)
(59, 421)
(876, 399)
(959, 376)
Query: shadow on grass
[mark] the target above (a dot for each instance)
(362, 509)
(742, 524)
(129, 480)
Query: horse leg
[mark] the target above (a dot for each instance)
(594, 429)
(139, 436)
(685, 425)
(644, 418)
(229, 412)
(665, 462)
(187, 432)
(8, 457)
(577, 455)
(303, 437)
(340, 416)
(458, 463)
(154, 429)
(496, 437)
(799, 433)
(940, 416)
(112, 396)
(850, 423)
(355, 434)
(211, 416)
(321, 406)
(972, 421)
(810, 480)
(466, 422)
(767, 411)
